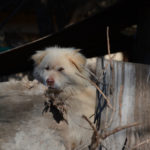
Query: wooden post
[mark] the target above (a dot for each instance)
(128, 88)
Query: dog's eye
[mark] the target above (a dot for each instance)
(60, 69)
(47, 68)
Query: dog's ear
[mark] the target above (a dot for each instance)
(38, 57)
(78, 60)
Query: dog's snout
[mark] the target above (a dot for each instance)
(50, 81)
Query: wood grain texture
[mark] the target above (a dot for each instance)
(128, 88)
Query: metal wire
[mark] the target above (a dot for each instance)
(101, 102)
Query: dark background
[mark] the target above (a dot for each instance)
(72, 23)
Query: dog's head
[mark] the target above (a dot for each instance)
(58, 67)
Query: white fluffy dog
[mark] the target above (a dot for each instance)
(60, 69)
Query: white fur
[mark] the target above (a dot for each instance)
(119, 56)
(77, 132)
(55, 58)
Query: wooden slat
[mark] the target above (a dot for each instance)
(130, 87)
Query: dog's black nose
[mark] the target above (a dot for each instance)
(50, 81)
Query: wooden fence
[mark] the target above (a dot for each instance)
(128, 89)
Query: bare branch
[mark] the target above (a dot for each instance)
(90, 123)
(107, 100)
(140, 144)
(120, 102)
(108, 42)
(108, 46)
(118, 129)
(95, 138)
(98, 138)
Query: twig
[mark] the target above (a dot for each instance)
(107, 100)
(118, 129)
(120, 102)
(142, 143)
(90, 123)
(108, 46)
(97, 138)
(107, 125)
(108, 42)
(91, 73)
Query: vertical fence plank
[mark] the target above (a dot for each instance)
(128, 88)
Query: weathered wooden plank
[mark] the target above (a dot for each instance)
(131, 105)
